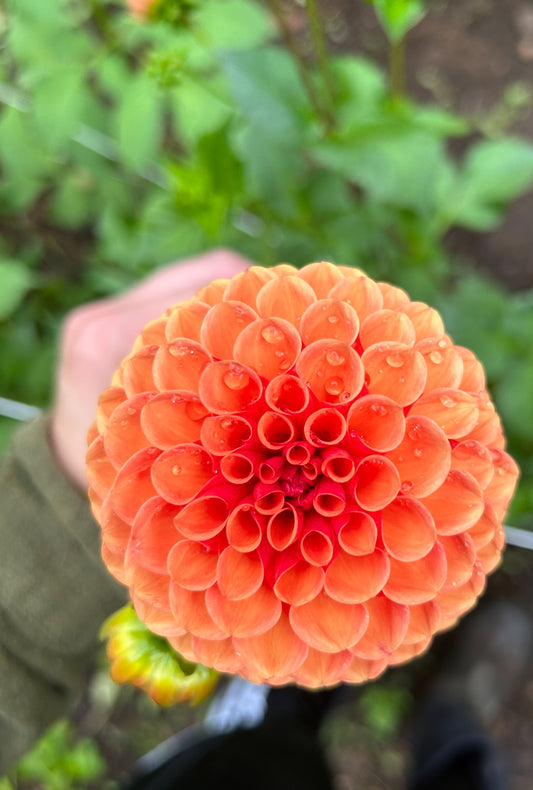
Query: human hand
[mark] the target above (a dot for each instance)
(97, 336)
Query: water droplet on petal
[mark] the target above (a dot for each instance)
(406, 486)
(442, 343)
(418, 452)
(335, 359)
(226, 423)
(334, 386)
(236, 380)
(333, 319)
(271, 334)
(176, 470)
(436, 357)
(395, 360)
(447, 401)
(131, 411)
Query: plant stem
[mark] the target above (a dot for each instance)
(291, 44)
(319, 43)
(397, 67)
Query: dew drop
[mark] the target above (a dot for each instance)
(334, 386)
(333, 319)
(406, 486)
(279, 353)
(284, 364)
(395, 360)
(379, 409)
(176, 470)
(442, 343)
(436, 357)
(335, 359)
(447, 401)
(131, 411)
(236, 380)
(418, 452)
(271, 334)
(414, 432)
(226, 424)
(177, 398)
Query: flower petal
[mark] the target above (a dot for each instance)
(355, 579)
(328, 625)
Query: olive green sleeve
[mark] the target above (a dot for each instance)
(54, 591)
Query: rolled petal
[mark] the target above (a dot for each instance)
(359, 670)
(325, 427)
(320, 670)
(227, 386)
(270, 346)
(393, 297)
(317, 544)
(298, 583)
(395, 370)
(153, 535)
(408, 529)
(418, 581)
(269, 498)
(179, 365)
(269, 470)
(332, 370)
(137, 371)
(214, 292)
(287, 394)
(225, 433)
(460, 558)
(443, 361)
(172, 418)
(275, 653)
(124, 435)
(358, 534)
(329, 318)
(361, 293)
(354, 579)
(133, 484)
(377, 421)
(179, 474)
(484, 530)
(423, 458)
(108, 401)
(245, 286)
(191, 614)
(454, 411)
(473, 457)
(185, 320)
(245, 527)
(286, 297)
(116, 533)
(222, 325)
(502, 486)
(219, 654)
(100, 471)
(298, 453)
(251, 616)
(385, 325)
(239, 467)
(321, 276)
(239, 575)
(457, 504)
(426, 320)
(423, 622)
(329, 499)
(338, 465)
(386, 630)
(283, 527)
(192, 565)
(203, 518)
(328, 625)
(376, 482)
(275, 430)
(473, 378)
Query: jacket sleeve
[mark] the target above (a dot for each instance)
(54, 591)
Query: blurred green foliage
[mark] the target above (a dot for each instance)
(125, 144)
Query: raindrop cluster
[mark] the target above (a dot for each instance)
(299, 476)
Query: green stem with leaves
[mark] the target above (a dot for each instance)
(397, 67)
(319, 43)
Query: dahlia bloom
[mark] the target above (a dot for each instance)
(299, 476)
(141, 8)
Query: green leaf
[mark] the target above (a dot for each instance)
(397, 17)
(139, 123)
(197, 110)
(58, 104)
(15, 281)
(494, 173)
(268, 92)
(402, 169)
(233, 24)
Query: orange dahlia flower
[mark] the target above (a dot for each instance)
(299, 476)
(141, 8)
